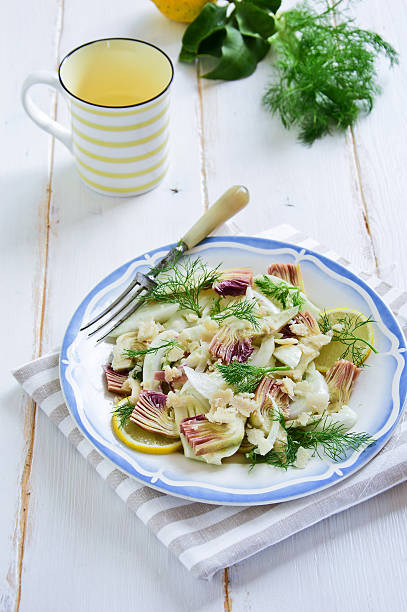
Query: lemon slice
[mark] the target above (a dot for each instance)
(144, 441)
(356, 323)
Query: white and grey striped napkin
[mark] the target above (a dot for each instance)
(204, 537)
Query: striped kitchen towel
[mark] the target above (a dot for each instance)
(204, 537)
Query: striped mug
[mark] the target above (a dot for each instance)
(118, 93)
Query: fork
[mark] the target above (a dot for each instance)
(230, 203)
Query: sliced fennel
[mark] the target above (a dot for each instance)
(153, 361)
(205, 384)
(346, 416)
(311, 394)
(189, 403)
(263, 357)
(278, 320)
(158, 312)
(289, 354)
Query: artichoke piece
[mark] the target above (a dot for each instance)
(271, 399)
(212, 440)
(304, 324)
(151, 413)
(234, 281)
(290, 273)
(115, 381)
(125, 342)
(340, 379)
(228, 344)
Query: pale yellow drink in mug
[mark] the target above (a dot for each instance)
(118, 92)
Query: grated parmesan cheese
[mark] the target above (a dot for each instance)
(303, 456)
(148, 330)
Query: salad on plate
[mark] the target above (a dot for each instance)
(224, 363)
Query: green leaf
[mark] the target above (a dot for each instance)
(239, 57)
(268, 5)
(187, 56)
(254, 21)
(258, 46)
(211, 19)
(212, 45)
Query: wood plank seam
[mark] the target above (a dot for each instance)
(31, 409)
(355, 156)
(201, 131)
(227, 604)
(365, 210)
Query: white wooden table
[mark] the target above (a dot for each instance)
(67, 542)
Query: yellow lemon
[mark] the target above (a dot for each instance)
(144, 441)
(181, 10)
(354, 335)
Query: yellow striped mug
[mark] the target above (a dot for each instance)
(118, 93)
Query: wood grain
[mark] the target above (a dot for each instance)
(80, 548)
(25, 167)
(382, 147)
(93, 235)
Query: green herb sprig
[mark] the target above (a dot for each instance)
(285, 294)
(123, 412)
(133, 354)
(325, 72)
(331, 439)
(182, 283)
(324, 65)
(349, 336)
(242, 310)
(243, 377)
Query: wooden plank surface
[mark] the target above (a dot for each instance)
(25, 168)
(81, 548)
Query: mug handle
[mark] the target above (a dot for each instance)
(36, 114)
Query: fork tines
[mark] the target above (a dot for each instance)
(120, 304)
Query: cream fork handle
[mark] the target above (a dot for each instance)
(230, 203)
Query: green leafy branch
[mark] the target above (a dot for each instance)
(329, 438)
(243, 377)
(182, 284)
(123, 412)
(133, 353)
(347, 332)
(235, 34)
(324, 72)
(242, 310)
(287, 295)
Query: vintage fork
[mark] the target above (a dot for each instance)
(233, 200)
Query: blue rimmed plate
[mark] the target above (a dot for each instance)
(378, 397)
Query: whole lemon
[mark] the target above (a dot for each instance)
(181, 10)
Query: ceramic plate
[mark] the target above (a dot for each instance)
(378, 397)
